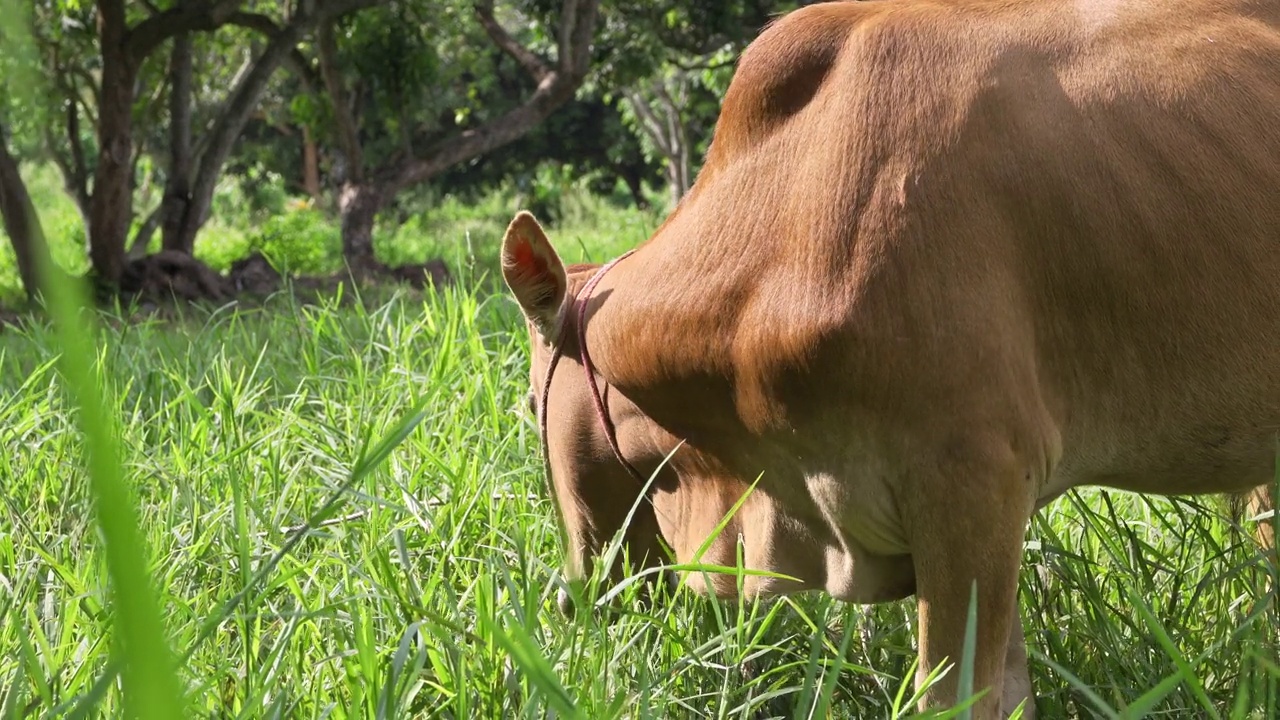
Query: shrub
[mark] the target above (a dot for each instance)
(301, 241)
(219, 245)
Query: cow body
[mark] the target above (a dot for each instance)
(943, 263)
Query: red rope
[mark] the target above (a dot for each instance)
(597, 399)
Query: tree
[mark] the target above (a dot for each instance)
(122, 49)
(671, 62)
(410, 153)
(20, 220)
(65, 38)
(103, 90)
(192, 181)
(658, 109)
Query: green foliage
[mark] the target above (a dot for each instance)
(219, 245)
(465, 230)
(301, 241)
(419, 70)
(249, 196)
(467, 234)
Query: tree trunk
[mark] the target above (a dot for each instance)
(72, 166)
(635, 185)
(358, 205)
(111, 207)
(310, 165)
(176, 203)
(348, 133)
(661, 122)
(20, 220)
(226, 131)
(679, 163)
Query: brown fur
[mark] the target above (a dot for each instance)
(944, 263)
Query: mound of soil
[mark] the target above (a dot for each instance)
(432, 273)
(170, 278)
(254, 275)
(172, 275)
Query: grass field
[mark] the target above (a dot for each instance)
(429, 589)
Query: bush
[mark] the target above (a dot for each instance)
(301, 241)
(219, 245)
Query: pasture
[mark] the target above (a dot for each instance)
(427, 586)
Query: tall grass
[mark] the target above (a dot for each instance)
(335, 512)
(429, 593)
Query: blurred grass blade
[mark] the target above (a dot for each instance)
(964, 681)
(150, 685)
(151, 688)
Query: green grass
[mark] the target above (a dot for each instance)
(430, 591)
(427, 589)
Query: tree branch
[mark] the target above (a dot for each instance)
(348, 133)
(648, 121)
(529, 60)
(554, 90)
(73, 184)
(577, 27)
(20, 221)
(147, 35)
(297, 62)
(244, 97)
(177, 191)
(77, 155)
(146, 231)
(74, 168)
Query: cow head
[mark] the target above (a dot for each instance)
(592, 490)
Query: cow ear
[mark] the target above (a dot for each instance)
(534, 273)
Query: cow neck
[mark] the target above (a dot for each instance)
(597, 399)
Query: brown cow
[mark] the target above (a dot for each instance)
(944, 262)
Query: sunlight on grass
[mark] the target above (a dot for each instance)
(430, 592)
(335, 510)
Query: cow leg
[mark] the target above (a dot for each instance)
(1017, 674)
(968, 525)
(1257, 502)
